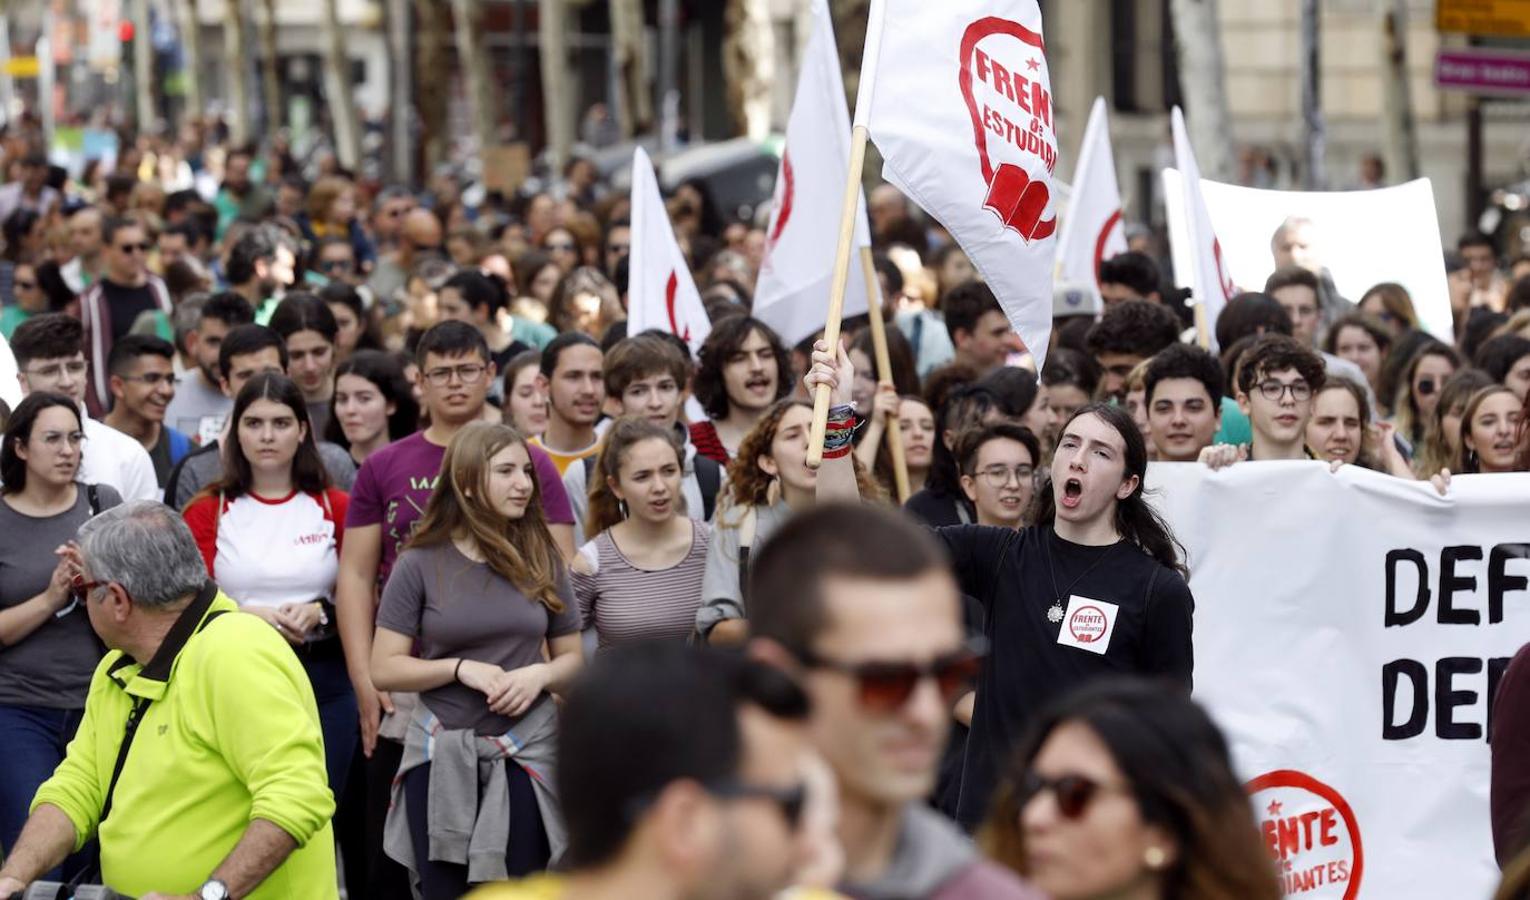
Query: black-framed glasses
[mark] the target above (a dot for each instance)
(142, 247)
(998, 476)
(884, 687)
(467, 373)
(792, 801)
(1274, 390)
(1073, 793)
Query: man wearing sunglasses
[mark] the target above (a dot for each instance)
(712, 805)
(199, 763)
(126, 290)
(859, 604)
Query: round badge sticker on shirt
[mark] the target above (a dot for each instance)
(1087, 624)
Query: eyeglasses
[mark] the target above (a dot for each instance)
(1273, 390)
(79, 588)
(999, 476)
(790, 800)
(152, 379)
(75, 369)
(884, 687)
(1072, 792)
(134, 248)
(1425, 387)
(467, 374)
(336, 265)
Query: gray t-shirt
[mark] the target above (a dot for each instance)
(197, 410)
(51, 667)
(455, 607)
(205, 466)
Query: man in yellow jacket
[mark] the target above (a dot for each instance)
(221, 789)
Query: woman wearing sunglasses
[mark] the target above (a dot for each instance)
(1124, 789)
(466, 612)
(1419, 390)
(1094, 588)
(270, 532)
(47, 649)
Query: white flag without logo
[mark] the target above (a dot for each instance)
(1210, 283)
(1092, 230)
(958, 99)
(793, 291)
(660, 290)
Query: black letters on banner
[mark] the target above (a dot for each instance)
(1394, 617)
(1499, 581)
(1452, 584)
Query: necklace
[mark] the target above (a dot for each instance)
(1055, 611)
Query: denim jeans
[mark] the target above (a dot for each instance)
(337, 714)
(34, 739)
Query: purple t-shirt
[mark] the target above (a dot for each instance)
(395, 483)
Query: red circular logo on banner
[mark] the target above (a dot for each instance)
(1087, 624)
(1311, 833)
(1111, 224)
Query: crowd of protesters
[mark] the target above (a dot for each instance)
(412, 435)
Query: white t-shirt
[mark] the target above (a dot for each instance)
(271, 552)
(111, 457)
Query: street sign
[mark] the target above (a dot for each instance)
(1499, 18)
(1483, 71)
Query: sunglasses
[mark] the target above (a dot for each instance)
(79, 588)
(884, 687)
(1073, 793)
(134, 248)
(791, 801)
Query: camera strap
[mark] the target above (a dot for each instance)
(188, 623)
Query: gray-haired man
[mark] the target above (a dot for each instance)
(199, 763)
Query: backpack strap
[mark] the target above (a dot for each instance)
(93, 497)
(709, 480)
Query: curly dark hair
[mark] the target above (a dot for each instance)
(725, 340)
(1276, 353)
(1136, 327)
(749, 485)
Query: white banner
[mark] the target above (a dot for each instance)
(1361, 238)
(793, 292)
(1092, 231)
(1349, 631)
(958, 98)
(660, 290)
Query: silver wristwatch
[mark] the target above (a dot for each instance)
(213, 890)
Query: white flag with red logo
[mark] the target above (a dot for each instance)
(793, 290)
(1091, 228)
(660, 290)
(1211, 285)
(957, 97)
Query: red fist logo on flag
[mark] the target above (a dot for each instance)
(1020, 202)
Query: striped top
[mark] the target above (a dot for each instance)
(624, 603)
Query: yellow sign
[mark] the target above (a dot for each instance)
(22, 67)
(1497, 18)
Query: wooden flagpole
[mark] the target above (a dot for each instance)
(894, 432)
(858, 136)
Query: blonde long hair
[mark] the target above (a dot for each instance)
(522, 551)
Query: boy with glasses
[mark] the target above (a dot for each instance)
(108, 309)
(143, 384)
(49, 358)
(998, 464)
(859, 604)
(1277, 379)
